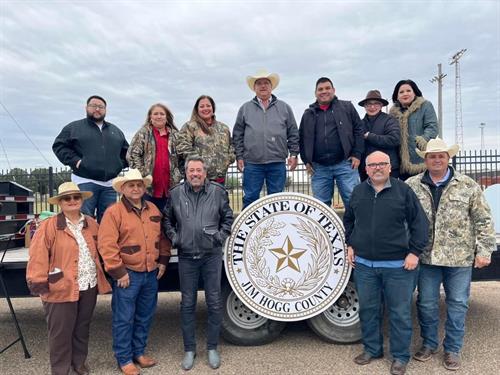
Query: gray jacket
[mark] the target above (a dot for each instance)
(197, 223)
(263, 137)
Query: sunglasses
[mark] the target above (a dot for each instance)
(68, 198)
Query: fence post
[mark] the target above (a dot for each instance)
(51, 187)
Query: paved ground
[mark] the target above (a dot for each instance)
(297, 351)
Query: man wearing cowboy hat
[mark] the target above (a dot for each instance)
(135, 254)
(381, 132)
(461, 236)
(331, 143)
(264, 135)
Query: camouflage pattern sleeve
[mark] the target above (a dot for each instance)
(483, 224)
(184, 141)
(135, 152)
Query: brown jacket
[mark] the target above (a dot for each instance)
(54, 246)
(133, 241)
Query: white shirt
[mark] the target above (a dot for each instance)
(87, 272)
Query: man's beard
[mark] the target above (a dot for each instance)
(94, 118)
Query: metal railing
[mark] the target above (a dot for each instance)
(482, 166)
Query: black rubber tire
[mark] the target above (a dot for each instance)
(347, 329)
(267, 332)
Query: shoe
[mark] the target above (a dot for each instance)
(188, 360)
(213, 358)
(451, 361)
(365, 358)
(424, 354)
(398, 368)
(144, 361)
(82, 370)
(130, 369)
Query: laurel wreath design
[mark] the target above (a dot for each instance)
(309, 279)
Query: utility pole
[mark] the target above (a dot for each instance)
(459, 127)
(439, 80)
(481, 126)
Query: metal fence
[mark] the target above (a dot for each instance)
(482, 166)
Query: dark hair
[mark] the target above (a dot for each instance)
(194, 158)
(413, 85)
(170, 116)
(323, 80)
(96, 97)
(196, 117)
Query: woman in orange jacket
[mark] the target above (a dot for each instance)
(64, 269)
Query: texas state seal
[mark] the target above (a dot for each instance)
(286, 258)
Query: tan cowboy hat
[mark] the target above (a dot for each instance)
(263, 73)
(131, 175)
(68, 188)
(438, 145)
(374, 95)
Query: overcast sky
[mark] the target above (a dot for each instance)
(55, 54)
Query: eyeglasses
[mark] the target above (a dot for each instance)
(380, 165)
(68, 198)
(377, 104)
(97, 106)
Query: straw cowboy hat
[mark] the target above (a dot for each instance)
(272, 77)
(373, 95)
(68, 188)
(438, 145)
(131, 175)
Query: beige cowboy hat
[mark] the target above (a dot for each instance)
(263, 73)
(131, 175)
(68, 188)
(438, 145)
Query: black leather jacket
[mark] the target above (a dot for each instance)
(198, 223)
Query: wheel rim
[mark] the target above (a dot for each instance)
(345, 311)
(241, 315)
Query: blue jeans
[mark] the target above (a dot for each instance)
(456, 282)
(325, 176)
(103, 197)
(133, 309)
(253, 179)
(397, 286)
(190, 269)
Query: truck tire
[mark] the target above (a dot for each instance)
(339, 324)
(241, 326)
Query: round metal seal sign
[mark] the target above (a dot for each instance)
(286, 257)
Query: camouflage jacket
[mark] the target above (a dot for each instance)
(215, 148)
(142, 151)
(462, 226)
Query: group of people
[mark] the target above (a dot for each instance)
(429, 230)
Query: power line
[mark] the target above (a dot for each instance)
(5, 153)
(24, 132)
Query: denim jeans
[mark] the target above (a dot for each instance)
(325, 176)
(133, 309)
(456, 283)
(397, 286)
(103, 197)
(254, 176)
(190, 269)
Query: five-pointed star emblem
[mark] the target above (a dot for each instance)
(288, 256)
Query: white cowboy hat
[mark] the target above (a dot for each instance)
(131, 175)
(272, 77)
(438, 145)
(69, 188)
